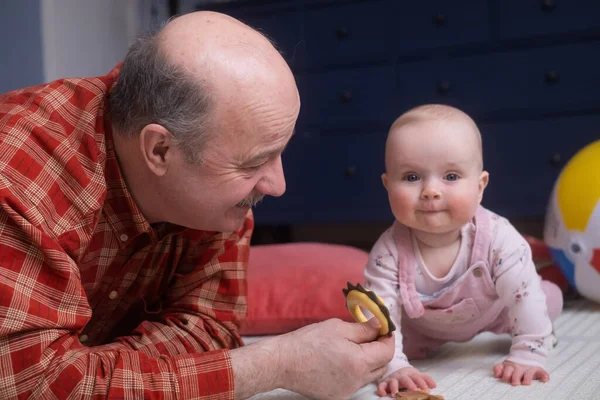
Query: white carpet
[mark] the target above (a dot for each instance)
(463, 371)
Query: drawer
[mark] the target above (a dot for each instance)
(347, 99)
(520, 18)
(554, 78)
(347, 34)
(524, 159)
(438, 23)
(331, 178)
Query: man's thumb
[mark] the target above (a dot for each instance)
(366, 331)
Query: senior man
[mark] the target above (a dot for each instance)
(125, 224)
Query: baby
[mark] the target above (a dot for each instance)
(448, 268)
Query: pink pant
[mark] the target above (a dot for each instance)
(554, 299)
(417, 346)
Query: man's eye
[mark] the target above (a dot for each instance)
(451, 177)
(411, 178)
(253, 168)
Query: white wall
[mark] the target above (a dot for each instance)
(86, 37)
(21, 44)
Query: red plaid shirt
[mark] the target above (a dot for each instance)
(94, 301)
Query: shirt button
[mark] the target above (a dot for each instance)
(113, 295)
(477, 272)
(83, 338)
(124, 237)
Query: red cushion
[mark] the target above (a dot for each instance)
(295, 284)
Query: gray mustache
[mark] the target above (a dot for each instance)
(251, 201)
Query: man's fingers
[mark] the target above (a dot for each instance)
(378, 353)
(363, 332)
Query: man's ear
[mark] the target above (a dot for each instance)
(483, 182)
(156, 144)
(384, 179)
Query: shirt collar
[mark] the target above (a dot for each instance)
(121, 211)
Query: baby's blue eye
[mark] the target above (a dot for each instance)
(411, 177)
(451, 177)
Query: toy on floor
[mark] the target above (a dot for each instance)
(572, 227)
(417, 395)
(357, 297)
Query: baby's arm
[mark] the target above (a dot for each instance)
(381, 276)
(518, 286)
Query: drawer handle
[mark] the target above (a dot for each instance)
(551, 77)
(341, 33)
(443, 87)
(346, 97)
(548, 5)
(556, 160)
(439, 19)
(349, 171)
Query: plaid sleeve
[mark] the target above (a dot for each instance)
(43, 307)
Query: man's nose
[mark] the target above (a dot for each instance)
(273, 182)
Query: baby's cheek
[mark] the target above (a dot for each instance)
(401, 204)
(401, 199)
(465, 206)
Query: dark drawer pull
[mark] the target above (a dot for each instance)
(346, 97)
(349, 171)
(551, 77)
(443, 87)
(439, 19)
(556, 160)
(341, 33)
(548, 5)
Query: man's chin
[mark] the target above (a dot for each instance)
(234, 219)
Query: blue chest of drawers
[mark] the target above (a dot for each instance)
(527, 71)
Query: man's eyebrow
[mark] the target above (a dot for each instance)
(265, 155)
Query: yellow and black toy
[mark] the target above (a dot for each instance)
(357, 297)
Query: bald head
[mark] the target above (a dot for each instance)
(441, 114)
(223, 52)
(197, 66)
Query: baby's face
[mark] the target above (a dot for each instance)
(434, 176)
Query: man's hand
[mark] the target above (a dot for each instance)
(519, 374)
(333, 359)
(407, 377)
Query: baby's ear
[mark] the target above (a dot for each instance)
(384, 179)
(484, 178)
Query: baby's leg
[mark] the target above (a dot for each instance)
(554, 299)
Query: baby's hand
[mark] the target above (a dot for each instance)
(518, 374)
(407, 377)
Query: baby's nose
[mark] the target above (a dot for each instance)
(430, 192)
